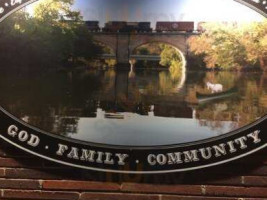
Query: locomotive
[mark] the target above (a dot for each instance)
(174, 26)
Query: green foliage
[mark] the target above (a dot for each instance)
(52, 36)
(176, 70)
(255, 42)
(169, 55)
(111, 62)
(171, 58)
(231, 45)
(143, 51)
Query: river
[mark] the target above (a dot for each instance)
(138, 108)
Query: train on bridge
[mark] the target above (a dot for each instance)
(144, 27)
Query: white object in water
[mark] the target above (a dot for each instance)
(214, 87)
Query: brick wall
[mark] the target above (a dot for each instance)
(23, 176)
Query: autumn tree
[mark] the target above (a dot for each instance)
(222, 45)
(232, 45)
(255, 42)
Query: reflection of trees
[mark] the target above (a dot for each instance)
(226, 79)
(167, 84)
(245, 107)
(44, 97)
(54, 102)
(65, 125)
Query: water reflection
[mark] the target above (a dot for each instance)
(112, 107)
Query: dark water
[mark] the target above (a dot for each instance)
(145, 107)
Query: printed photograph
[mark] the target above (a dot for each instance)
(135, 73)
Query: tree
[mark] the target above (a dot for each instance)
(171, 58)
(55, 12)
(50, 37)
(231, 45)
(221, 46)
(255, 41)
(169, 55)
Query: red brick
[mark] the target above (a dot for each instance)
(230, 170)
(111, 196)
(164, 189)
(34, 194)
(237, 181)
(235, 191)
(19, 184)
(80, 185)
(2, 172)
(206, 198)
(212, 179)
(255, 180)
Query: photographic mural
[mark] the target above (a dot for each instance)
(134, 74)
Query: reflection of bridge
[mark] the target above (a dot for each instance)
(124, 44)
(135, 57)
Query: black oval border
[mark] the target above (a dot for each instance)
(136, 158)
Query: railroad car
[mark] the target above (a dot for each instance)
(129, 27)
(137, 27)
(175, 26)
(144, 27)
(93, 26)
(114, 26)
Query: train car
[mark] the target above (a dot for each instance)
(175, 26)
(130, 27)
(127, 27)
(144, 27)
(137, 27)
(114, 26)
(93, 26)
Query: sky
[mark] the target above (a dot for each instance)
(164, 10)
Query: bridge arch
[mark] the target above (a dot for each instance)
(177, 41)
(107, 45)
(182, 55)
(125, 44)
(106, 40)
(176, 47)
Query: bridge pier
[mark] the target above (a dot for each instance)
(122, 48)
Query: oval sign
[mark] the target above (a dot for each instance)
(138, 91)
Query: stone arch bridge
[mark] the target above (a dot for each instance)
(124, 44)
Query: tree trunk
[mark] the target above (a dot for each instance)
(263, 64)
(262, 81)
